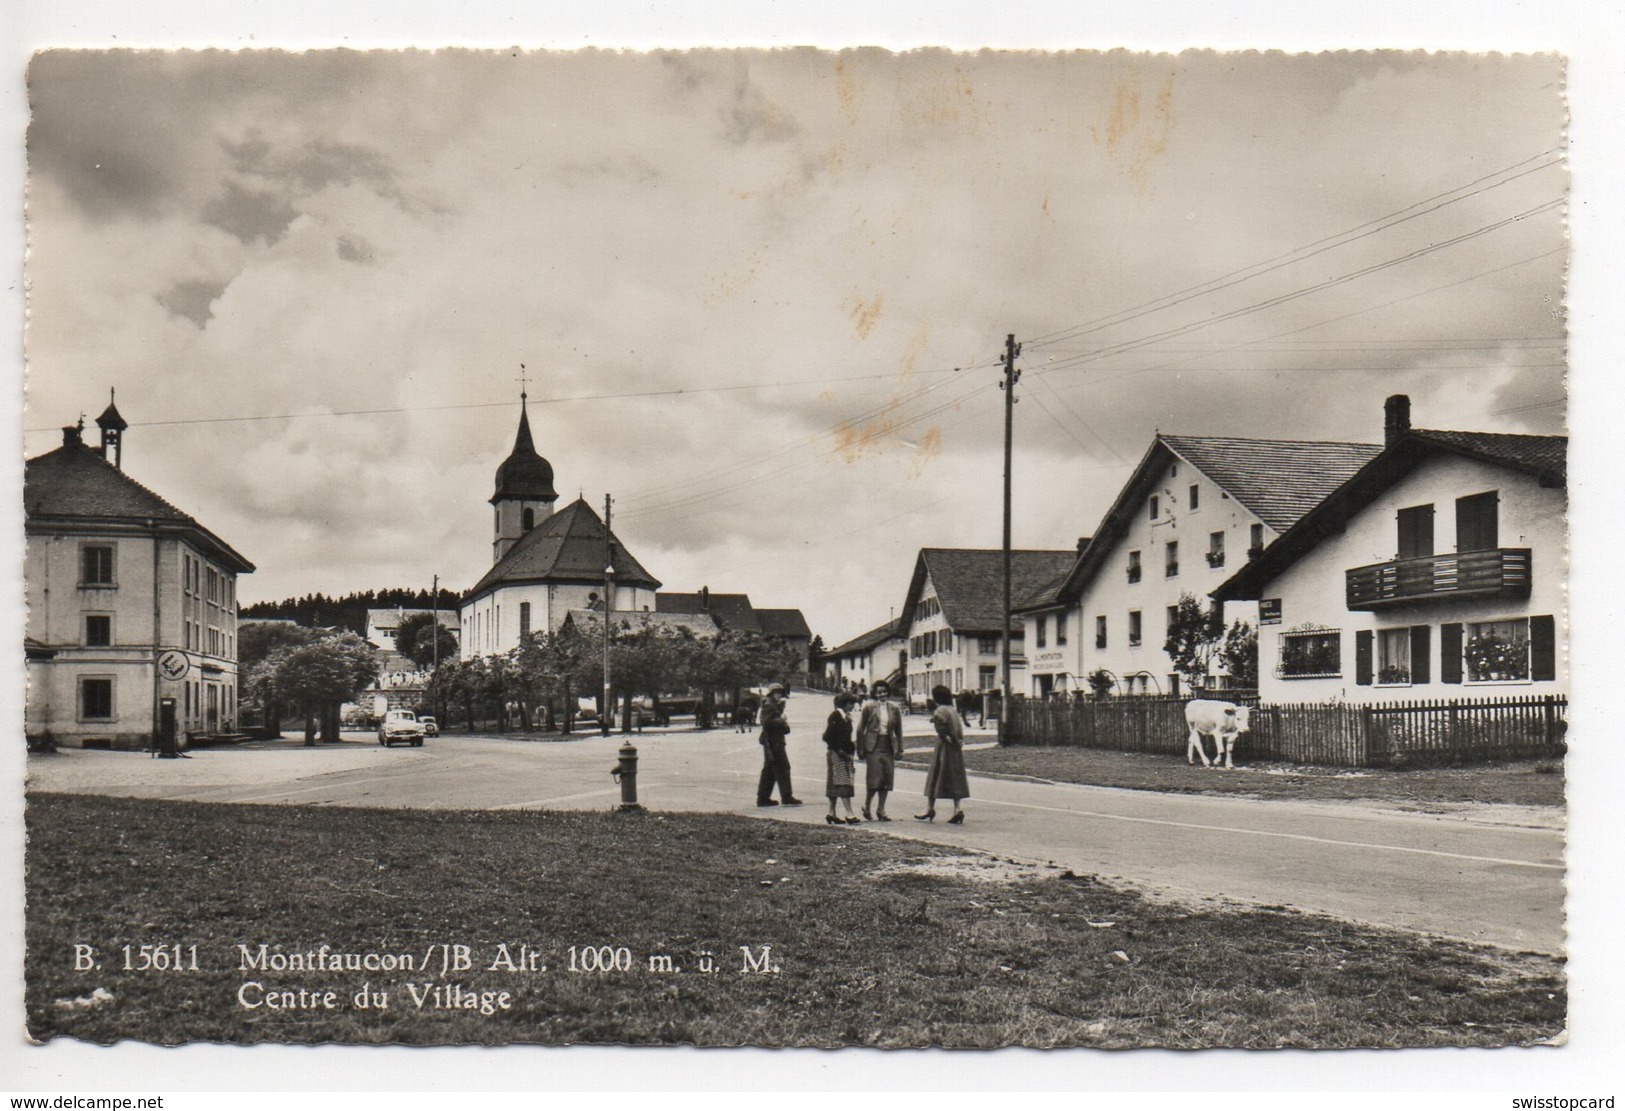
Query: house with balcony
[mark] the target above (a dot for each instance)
(1437, 570)
(1193, 510)
(953, 617)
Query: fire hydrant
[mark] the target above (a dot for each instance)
(625, 772)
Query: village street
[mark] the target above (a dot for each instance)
(1493, 877)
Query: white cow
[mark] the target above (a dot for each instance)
(1220, 720)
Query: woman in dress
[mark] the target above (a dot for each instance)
(946, 779)
(838, 738)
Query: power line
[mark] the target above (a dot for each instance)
(1299, 254)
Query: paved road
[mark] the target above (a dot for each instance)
(1479, 878)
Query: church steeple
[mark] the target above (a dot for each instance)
(524, 488)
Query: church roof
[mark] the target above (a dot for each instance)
(110, 418)
(700, 624)
(75, 486)
(566, 547)
(524, 475)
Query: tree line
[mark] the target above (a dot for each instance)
(289, 670)
(348, 611)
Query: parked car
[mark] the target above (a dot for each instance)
(400, 727)
(431, 728)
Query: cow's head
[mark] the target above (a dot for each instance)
(1240, 717)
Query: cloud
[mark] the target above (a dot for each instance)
(193, 300)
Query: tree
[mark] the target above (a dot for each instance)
(257, 642)
(314, 678)
(1240, 654)
(1193, 639)
(414, 640)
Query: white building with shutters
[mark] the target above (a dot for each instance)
(1438, 570)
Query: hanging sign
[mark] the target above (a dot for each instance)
(1269, 611)
(174, 664)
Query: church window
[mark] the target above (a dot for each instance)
(528, 519)
(524, 612)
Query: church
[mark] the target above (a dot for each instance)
(545, 563)
(548, 563)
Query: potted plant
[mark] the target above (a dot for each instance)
(1394, 673)
(1494, 657)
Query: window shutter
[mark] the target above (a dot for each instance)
(1450, 653)
(1421, 649)
(1362, 657)
(1543, 648)
(1416, 532)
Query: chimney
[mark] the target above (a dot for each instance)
(1397, 418)
(73, 435)
(1083, 542)
(705, 598)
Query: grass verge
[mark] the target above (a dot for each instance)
(1531, 783)
(878, 941)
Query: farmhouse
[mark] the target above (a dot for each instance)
(953, 617)
(1195, 508)
(1437, 569)
(132, 604)
(880, 653)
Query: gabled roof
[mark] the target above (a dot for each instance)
(865, 642)
(1046, 596)
(784, 623)
(970, 582)
(1544, 457)
(732, 611)
(74, 485)
(700, 624)
(566, 547)
(1278, 481)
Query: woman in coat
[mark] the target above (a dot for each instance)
(946, 779)
(838, 738)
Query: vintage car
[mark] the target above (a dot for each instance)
(431, 727)
(400, 727)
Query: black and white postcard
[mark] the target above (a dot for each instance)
(816, 547)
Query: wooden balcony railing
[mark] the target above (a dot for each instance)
(1495, 572)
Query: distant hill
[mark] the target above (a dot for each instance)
(347, 610)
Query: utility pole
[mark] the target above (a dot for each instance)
(1011, 377)
(434, 632)
(609, 587)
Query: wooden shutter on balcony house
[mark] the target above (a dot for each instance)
(1362, 658)
(1450, 653)
(1421, 648)
(1415, 531)
(1543, 648)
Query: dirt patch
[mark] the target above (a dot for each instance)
(982, 869)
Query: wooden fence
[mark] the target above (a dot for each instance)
(1395, 734)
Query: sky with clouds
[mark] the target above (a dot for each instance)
(760, 296)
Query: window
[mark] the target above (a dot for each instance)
(1497, 651)
(98, 630)
(1171, 567)
(1173, 618)
(524, 616)
(1154, 507)
(1255, 541)
(1100, 631)
(1043, 629)
(1134, 567)
(987, 678)
(1476, 525)
(95, 700)
(1311, 654)
(987, 646)
(527, 519)
(96, 565)
(1133, 628)
(1060, 628)
(1394, 656)
(1215, 549)
(1415, 532)
(1193, 499)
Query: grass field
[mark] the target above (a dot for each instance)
(878, 941)
(1528, 783)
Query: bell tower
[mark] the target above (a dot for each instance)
(112, 426)
(524, 493)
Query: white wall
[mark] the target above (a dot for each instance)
(1112, 595)
(1312, 591)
